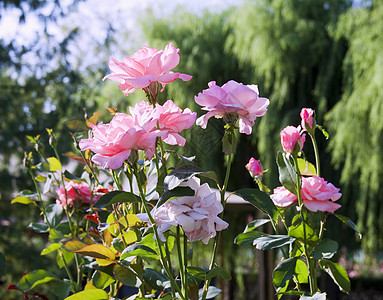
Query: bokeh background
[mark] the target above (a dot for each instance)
(323, 54)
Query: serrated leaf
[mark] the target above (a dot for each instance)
(284, 272)
(337, 273)
(54, 164)
(287, 174)
(349, 223)
(116, 197)
(23, 200)
(325, 249)
(268, 242)
(91, 294)
(260, 200)
(179, 175)
(35, 278)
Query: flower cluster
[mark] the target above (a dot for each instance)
(112, 143)
(317, 195)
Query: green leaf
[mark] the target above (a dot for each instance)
(63, 258)
(268, 242)
(127, 275)
(324, 131)
(298, 231)
(260, 200)
(247, 237)
(211, 292)
(72, 177)
(306, 168)
(54, 164)
(325, 249)
(54, 214)
(60, 288)
(51, 248)
(255, 224)
(23, 200)
(179, 175)
(284, 272)
(143, 251)
(35, 278)
(155, 279)
(287, 174)
(2, 264)
(102, 280)
(349, 223)
(337, 273)
(39, 227)
(27, 193)
(116, 197)
(316, 296)
(301, 271)
(175, 193)
(91, 294)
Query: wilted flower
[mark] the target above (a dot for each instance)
(254, 167)
(291, 139)
(197, 215)
(308, 119)
(75, 192)
(145, 66)
(317, 195)
(231, 102)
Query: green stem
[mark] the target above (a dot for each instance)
(174, 284)
(181, 262)
(116, 180)
(312, 274)
(74, 286)
(186, 265)
(218, 236)
(316, 152)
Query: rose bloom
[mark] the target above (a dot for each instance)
(307, 115)
(232, 101)
(75, 192)
(170, 119)
(197, 215)
(174, 120)
(290, 137)
(254, 167)
(145, 66)
(317, 195)
(112, 143)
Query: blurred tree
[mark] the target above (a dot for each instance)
(294, 60)
(356, 120)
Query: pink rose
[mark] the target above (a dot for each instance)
(75, 192)
(197, 215)
(317, 195)
(254, 167)
(145, 66)
(113, 142)
(174, 120)
(308, 119)
(232, 101)
(290, 137)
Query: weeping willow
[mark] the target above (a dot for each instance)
(356, 120)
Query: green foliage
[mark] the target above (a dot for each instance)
(357, 139)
